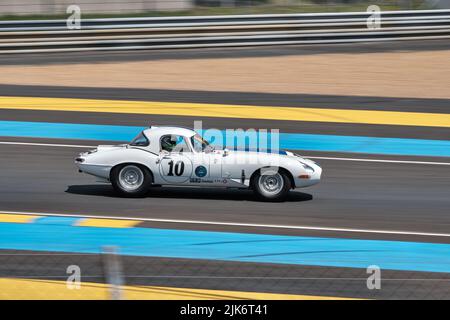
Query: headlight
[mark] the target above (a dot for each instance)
(307, 168)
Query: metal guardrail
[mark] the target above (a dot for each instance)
(220, 31)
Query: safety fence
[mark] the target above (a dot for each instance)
(221, 31)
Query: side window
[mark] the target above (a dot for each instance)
(174, 143)
(140, 141)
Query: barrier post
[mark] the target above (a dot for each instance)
(113, 271)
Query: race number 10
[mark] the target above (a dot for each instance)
(179, 168)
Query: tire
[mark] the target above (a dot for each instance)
(271, 186)
(131, 180)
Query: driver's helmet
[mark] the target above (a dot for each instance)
(168, 143)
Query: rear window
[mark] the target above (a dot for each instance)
(140, 140)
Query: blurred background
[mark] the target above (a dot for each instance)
(200, 7)
(370, 105)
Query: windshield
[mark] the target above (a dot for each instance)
(200, 144)
(140, 140)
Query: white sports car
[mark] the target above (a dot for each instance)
(180, 156)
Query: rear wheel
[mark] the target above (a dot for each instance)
(131, 180)
(271, 186)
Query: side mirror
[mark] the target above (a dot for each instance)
(226, 152)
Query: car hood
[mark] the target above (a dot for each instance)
(251, 153)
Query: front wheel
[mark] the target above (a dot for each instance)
(131, 180)
(270, 186)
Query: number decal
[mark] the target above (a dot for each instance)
(179, 168)
(170, 168)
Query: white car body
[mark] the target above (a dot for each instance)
(201, 168)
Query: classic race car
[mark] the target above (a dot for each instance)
(180, 156)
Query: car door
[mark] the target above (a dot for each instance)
(175, 165)
(201, 173)
(207, 168)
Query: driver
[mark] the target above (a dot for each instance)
(168, 143)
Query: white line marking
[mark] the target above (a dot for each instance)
(237, 224)
(305, 156)
(45, 144)
(382, 160)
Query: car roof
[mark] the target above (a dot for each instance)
(163, 130)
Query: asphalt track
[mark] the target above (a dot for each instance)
(402, 196)
(353, 194)
(382, 196)
(267, 51)
(309, 101)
